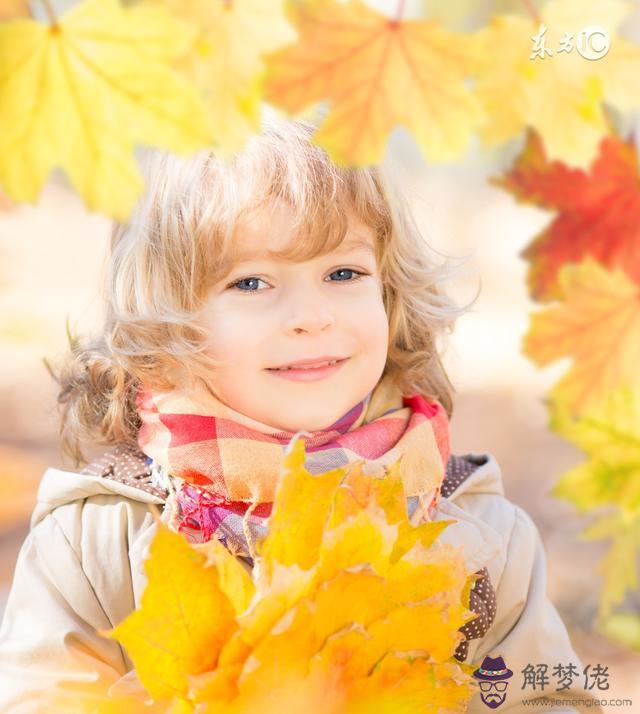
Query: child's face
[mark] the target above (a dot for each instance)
(280, 312)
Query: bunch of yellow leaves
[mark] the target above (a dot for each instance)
(351, 608)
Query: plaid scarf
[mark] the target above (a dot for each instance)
(221, 467)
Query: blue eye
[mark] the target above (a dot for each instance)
(349, 270)
(254, 280)
(245, 280)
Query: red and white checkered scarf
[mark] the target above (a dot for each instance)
(225, 466)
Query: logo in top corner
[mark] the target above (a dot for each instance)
(494, 675)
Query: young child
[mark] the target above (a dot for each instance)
(229, 282)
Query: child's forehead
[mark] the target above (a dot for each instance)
(272, 232)
(244, 252)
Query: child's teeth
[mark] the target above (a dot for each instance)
(315, 366)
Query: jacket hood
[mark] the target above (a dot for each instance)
(471, 501)
(58, 487)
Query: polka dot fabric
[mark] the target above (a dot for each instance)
(459, 468)
(482, 601)
(482, 598)
(128, 465)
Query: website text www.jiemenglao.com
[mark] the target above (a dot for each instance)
(552, 701)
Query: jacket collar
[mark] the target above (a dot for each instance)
(125, 470)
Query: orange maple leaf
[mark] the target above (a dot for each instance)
(598, 325)
(10, 9)
(377, 72)
(599, 211)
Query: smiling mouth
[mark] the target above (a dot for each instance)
(308, 373)
(319, 365)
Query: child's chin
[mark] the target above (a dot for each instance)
(294, 425)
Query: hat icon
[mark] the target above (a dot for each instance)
(492, 669)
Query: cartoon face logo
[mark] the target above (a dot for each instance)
(493, 675)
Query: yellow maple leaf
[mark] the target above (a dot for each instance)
(376, 73)
(352, 629)
(622, 628)
(80, 93)
(598, 325)
(226, 59)
(562, 94)
(619, 570)
(610, 437)
(185, 615)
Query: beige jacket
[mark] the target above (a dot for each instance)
(80, 569)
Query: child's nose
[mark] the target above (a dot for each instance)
(309, 323)
(308, 313)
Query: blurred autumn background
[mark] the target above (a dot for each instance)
(492, 201)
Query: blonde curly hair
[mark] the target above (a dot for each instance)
(179, 242)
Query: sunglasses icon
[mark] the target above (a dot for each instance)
(498, 686)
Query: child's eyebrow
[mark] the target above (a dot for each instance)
(356, 242)
(351, 243)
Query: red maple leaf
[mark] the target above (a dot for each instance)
(598, 211)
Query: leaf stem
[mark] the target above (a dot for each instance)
(50, 13)
(531, 9)
(399, 10)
